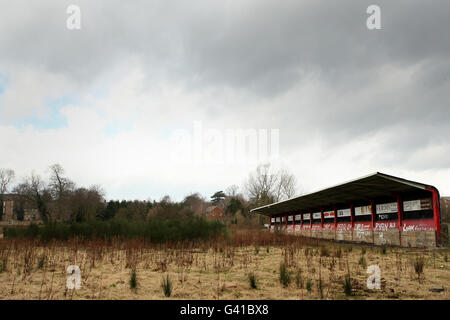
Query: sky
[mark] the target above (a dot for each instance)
(141, 98)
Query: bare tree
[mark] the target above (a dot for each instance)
(33, 189)
(61, 189)
(286, 186)
(231, 191)
(59, 185)
(6, 177)
(266, 186)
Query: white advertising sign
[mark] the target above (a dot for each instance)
(306, 216)
(316, 215)
(297, 217)
(272, 219)
(290, 218)
(278, 219)
(343, 213)
(416, 205)
(383, 208)
(363, 211)
(328, 214)
(412, 205)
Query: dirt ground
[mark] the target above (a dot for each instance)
(221, 272)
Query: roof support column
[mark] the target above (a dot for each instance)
(310, 219)
(400, 217)
(436, 214)
(372, 211)
(321, 218)
(352, 215)
(301, 220)
(335, 218)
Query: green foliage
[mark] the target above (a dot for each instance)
(41, 262)
(153, 230)
(285, 277)
(133, 280)
(3, 265)
(166, 285)
(383, 249)
(234, 206)
(217, 197)
(309, 284)
(362, 262)
(252, 280)
(347, 284)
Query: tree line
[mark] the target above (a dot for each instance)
(60, 199)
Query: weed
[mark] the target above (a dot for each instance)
(347, 283)
(166, 285)
(309, 284)
(133, 279)
(362, 262)
(285, 277)
(252, 280)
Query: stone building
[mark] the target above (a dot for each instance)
(14, 208)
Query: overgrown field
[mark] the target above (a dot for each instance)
(244, 265)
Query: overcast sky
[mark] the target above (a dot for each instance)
(106, 101)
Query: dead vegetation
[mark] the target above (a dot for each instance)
(247, 265)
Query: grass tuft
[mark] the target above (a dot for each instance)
(166, 285)
(347, 283)
(133, 280)
(285, 277)
(252, 280)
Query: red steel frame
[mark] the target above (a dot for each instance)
(436, 212)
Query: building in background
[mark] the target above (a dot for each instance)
(214, 212)
(16, 209)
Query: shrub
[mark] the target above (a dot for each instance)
(362, 262)
(363, 250)
(252, 280)
(347, 283)
(133, 279)
(309, 285)
(3, 265)
(285, 277)
(383, 249)
(166, 285)
(155, 230)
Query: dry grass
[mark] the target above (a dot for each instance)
(217, 269)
